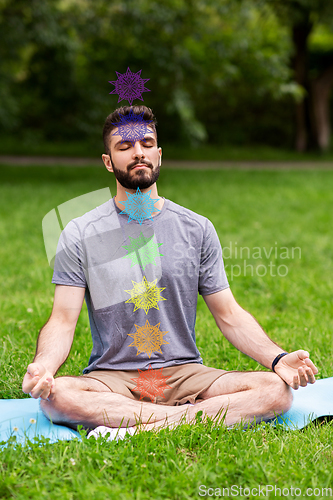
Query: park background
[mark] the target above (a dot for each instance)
(244, 83)
(229, 74)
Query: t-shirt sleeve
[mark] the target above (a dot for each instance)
(212, 276)
(69, 259)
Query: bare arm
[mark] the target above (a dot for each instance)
(54, 341)
(243, 331)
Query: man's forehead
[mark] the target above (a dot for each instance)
(128, 136)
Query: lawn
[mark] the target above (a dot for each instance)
(276, 230)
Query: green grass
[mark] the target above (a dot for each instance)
(214, 152)
(267, 210)
(171, 464)
(205, 152)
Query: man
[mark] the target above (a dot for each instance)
(140, 277)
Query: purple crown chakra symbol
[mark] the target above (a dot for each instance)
(132, 127)
(129, 86)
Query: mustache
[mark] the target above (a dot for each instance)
(141, 162)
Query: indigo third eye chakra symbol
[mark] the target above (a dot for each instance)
(132, 127)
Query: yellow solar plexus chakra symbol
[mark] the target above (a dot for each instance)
(145, 295)
(148, 338)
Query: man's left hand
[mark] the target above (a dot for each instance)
(296, 369)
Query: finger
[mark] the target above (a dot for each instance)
(311, 365)
(302, 377)
(39, 390)
(49, 391)
(310, 375)
(29, 383)
(36, 369)
(299, 355)
(303, 354)
(46, 393)
(43, 385)
(51, 395)
(295, 384)
(33, 369)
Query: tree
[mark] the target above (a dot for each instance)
(217, 68)
(38, 92)
(313, 74)
(206, 60)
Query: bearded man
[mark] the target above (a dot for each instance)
(140, 260)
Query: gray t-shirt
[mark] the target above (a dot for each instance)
(142, 282)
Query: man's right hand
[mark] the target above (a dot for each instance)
(38, 381)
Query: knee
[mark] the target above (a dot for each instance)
(282, 395)
(288, 398)
(47, 408)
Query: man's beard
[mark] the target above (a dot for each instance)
(142, 179)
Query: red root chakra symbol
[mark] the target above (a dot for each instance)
(151, 383)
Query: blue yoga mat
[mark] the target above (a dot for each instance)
(24, 419)
(309, 403)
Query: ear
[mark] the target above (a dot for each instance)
(107, 162)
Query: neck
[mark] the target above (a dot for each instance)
(121, 196)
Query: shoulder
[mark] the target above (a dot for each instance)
(99, 217)
(188, 217)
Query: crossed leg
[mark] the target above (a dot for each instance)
(244, 396)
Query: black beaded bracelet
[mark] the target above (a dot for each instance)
(277, 359)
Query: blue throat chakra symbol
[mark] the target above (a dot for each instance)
(129, 86)
(139, 206)
(132, 127)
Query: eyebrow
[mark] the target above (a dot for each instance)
(145, 139)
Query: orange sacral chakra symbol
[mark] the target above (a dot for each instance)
(148, 338)
(151, 383)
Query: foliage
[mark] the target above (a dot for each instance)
(294, 11)
(36, 66)
(215, 67)
(313, 74)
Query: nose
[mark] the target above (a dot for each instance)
(138, 152)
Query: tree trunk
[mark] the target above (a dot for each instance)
(321, 89)
(300, 36)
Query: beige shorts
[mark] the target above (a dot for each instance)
(172, 386)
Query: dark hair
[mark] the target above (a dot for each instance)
(114, 117)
